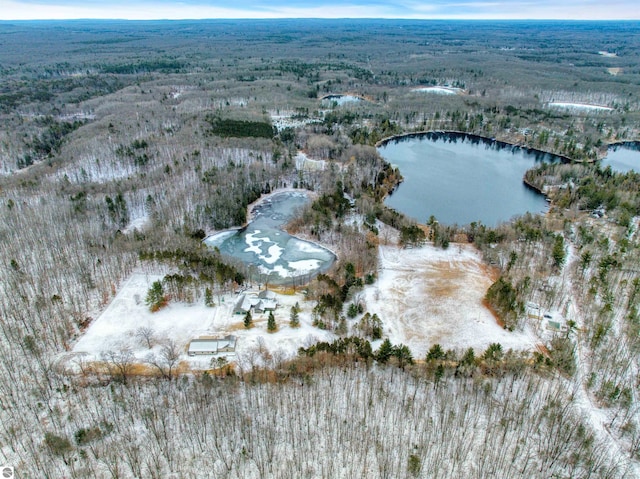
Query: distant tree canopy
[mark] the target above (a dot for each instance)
(239, 128)
(162, 65)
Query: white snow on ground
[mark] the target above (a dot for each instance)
(440, 90)
(303, 162)
(139, 224)
(428, 295)
(114, 329)
(579, 106)
(423, 295)
(582, 397)
(289, 120)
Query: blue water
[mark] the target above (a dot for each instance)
(460, 179)
(270, 253)
(623, 157)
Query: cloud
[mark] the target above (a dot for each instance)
(435, 9)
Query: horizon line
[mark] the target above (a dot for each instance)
(454, 19)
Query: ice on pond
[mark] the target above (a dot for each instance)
(275, 252)
(268, 250)
(304, 265)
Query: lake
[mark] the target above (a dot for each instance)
(623, 157)
(270, 253)
(461, 178)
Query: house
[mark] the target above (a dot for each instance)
(264, 301)
(243, 304)
(264, 305)
(212, 346)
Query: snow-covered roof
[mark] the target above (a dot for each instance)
(211, 345)
(266, 304)
(267, 294)
(203, 346)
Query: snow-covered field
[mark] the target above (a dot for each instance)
(303, 162)
(428, 295)
(115, 329)
(440, 90)
(423, 296)
(579, 106)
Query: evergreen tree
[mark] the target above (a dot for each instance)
(294, 320)
(385, 351)
(248, 321)
(155, 297)
(208, 298)
(271, 323)
(558, 253)
(435, 353)
(403, 354)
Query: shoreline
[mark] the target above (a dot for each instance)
(504, 144)
(439, 133)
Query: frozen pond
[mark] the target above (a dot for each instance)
(341, 99)
(623, 157)
(271, 254)
(461, 178)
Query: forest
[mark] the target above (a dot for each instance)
(124, 144)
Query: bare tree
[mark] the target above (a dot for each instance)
(119, 363)
(144, 334)
(166, 360)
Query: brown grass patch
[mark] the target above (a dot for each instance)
(494, 313)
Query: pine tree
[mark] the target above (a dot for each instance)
(208, 298)
(385, 351)
(155, 297)
(435, 353)
(294, 321)
(271, 323)
(248, 321)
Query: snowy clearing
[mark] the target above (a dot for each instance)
(115, 328)
(428, 295)
(440, 90)
(579, 106)
(304, 163)
(423, 296)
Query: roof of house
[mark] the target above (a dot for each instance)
(266, 304)
(267, 294)
(202, 345)
(244, 303)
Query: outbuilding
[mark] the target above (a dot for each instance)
(212, 346)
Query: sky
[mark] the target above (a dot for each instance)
(410, 9)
